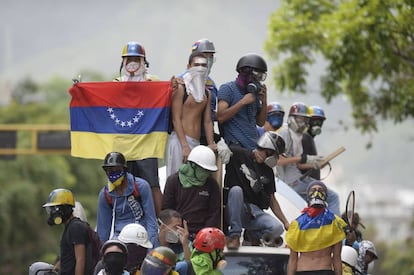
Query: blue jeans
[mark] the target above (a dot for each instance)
(182, 267)
(300, 186)
(249, 216)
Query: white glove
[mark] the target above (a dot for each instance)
(315, 161)
(311, 159)
(224, 151)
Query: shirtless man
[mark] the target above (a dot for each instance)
(190, 107)
(315, 237)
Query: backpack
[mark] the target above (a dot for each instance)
(94, 247)
(135, 193)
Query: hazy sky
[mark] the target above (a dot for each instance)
(49, 37)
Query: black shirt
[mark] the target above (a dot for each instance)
(76, 232)
(235, 177)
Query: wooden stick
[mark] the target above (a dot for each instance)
(326, 160)
(332, 155)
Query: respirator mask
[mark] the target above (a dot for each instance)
(315, 127)
(275, 120)
(171, 236)
(255, 86)
(58, 214)
(298, 124)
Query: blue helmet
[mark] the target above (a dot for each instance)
(316, 111)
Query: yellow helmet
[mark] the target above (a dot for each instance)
(60, 197)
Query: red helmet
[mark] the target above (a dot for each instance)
(208, 239)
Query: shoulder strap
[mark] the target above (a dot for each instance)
(108, 198)
(136, 190)
(135, 193)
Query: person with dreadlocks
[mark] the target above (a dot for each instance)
(315, 237)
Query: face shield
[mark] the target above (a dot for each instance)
(149, 267)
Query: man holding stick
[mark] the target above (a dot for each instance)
(289, 166)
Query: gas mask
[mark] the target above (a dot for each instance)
(298, 124)
(134, 71)
(132, 67)
(315, 130)
(257, 78)
(58, 214)
(271, 161)
(315, 127)
(317, 199)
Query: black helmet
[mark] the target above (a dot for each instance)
(118, 243)
(114, 159)
(252, 60)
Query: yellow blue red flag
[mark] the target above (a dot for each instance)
(308, 233)
(127, 117)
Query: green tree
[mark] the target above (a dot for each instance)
(369, 50)
(27, 181)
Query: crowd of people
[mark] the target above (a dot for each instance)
(184, 228)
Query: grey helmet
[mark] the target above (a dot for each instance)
(203, 46)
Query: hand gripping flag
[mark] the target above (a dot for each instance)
(127, 117)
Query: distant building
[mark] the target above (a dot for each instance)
(388, 210)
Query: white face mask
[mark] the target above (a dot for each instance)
(195, 82)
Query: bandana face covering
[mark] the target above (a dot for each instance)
(115, 262)
(115, 178)
(195, 81)
(192, 175)
(243, 79)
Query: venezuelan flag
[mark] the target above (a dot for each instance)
(127, 117)
(307, 234)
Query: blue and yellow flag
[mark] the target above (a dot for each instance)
(308, 233)
(127, 117)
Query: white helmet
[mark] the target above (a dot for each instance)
(41, 268)
(349, 255)
(135, 233)
(204, 157)
(272, 141)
